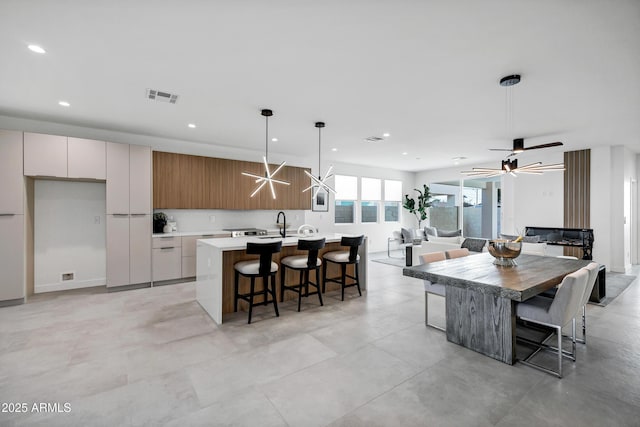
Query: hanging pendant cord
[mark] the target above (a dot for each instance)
(319, 142)
(266, 139)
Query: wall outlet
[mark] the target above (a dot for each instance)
(96, 219)
(212, 218)
(67, 276)
(297, 217)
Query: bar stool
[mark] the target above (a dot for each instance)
(344, 258)
(262, 267)
(304, 264)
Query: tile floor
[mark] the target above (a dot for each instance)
(152, 357)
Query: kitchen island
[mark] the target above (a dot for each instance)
(215, 273)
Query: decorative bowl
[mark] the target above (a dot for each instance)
(505, 252)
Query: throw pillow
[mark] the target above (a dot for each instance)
(453, 239)
(452, 233)
(429, 231)
(475, 245)
(407, 235)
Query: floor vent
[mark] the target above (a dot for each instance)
(160, 96)
(67, 276)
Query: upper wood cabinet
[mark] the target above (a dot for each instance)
(86, 158)
(45, 155)
(194, 182)
(11, 179)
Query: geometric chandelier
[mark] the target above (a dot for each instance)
(268, 175)
(511, 167)
(319, 182)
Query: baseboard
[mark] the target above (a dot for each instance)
(10, 302)
(174, 281)
(71, 284)
(128, 287)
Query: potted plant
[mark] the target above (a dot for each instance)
(424, 202)
(159, 221)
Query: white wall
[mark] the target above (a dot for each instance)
(69, 234)
(601, 203)
(378, 233)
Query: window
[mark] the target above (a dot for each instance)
(392, 200)
(371, 188)
(346, 196)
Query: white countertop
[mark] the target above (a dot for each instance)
(211, 232)
(240, 243)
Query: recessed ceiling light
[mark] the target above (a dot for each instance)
(274, 139)
(35, 48)
(334, 149)
(386, 135)
(404, 153)
(455, 159)
(64, 103)
(191, 125)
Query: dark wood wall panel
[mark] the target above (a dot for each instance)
(183, 181)
(577, 193)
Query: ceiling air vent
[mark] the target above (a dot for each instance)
(373, 139)
(160, 96)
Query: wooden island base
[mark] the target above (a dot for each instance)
(293, 277)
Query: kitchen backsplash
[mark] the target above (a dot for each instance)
(217, 219)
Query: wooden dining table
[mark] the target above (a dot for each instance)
(481, 297)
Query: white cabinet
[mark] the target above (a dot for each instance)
(117, 178)
(128, 249)
(45, 155)
(63, 157)
(118, 250)
(12, 284)
(128, 173)
(167, 258)
(12, 255)
(139, 179)
(11, 179)
(189, 253)
(128, 179)
(86, 158)
(140, 248)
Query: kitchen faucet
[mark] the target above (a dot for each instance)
(283, 230)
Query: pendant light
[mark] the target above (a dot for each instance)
(319, 182)
(268, 175)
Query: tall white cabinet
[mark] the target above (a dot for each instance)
(129, 219)
(12, 226)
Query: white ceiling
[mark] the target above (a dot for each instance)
(425, 71)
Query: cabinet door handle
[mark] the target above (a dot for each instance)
(138, 214)
(208, 235)
(7, 214)
(166, 237)
(120, 214)
(168, 247)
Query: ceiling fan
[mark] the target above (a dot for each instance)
(518, 146)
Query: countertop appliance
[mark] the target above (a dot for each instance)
(247, 231)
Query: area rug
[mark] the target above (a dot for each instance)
(615, 283)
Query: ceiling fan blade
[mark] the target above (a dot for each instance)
(550, 144)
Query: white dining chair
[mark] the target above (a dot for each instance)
(555, 313)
